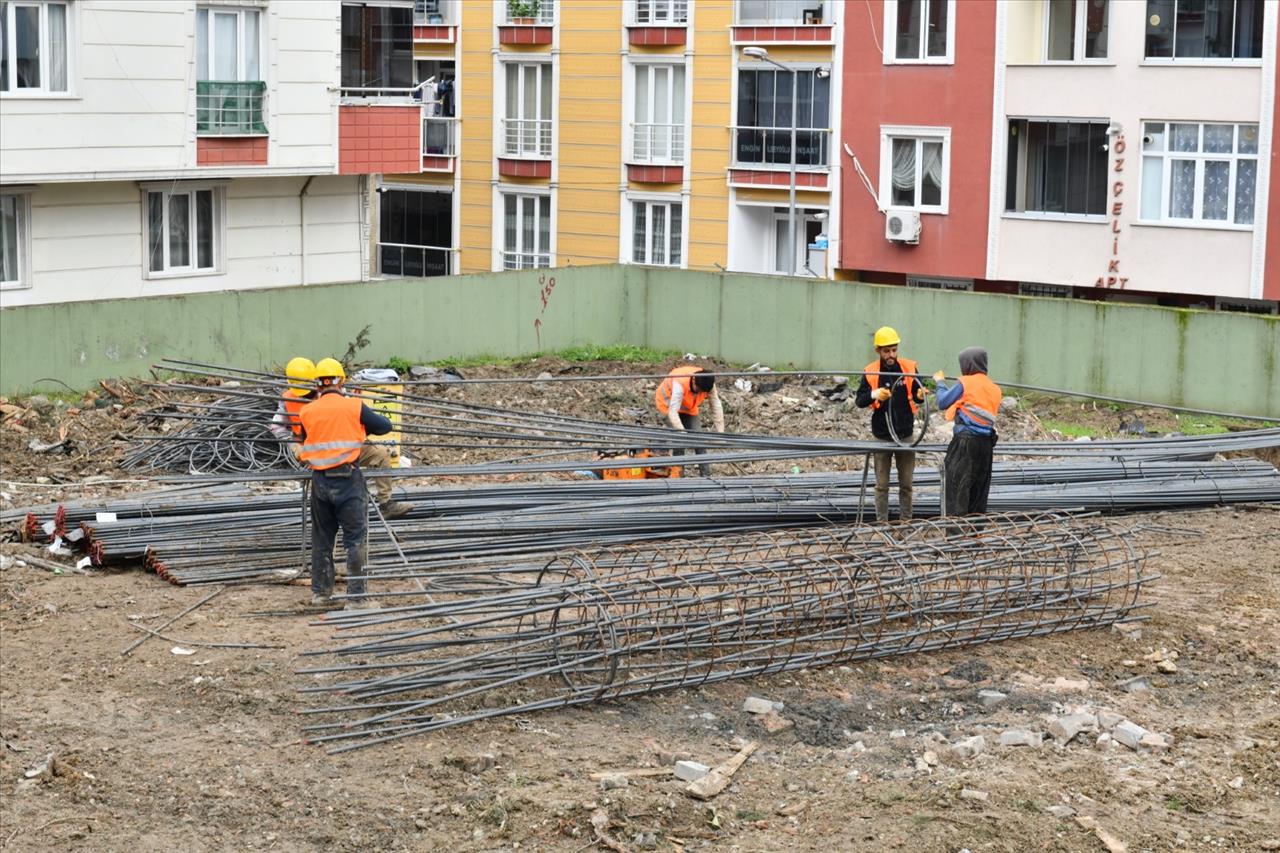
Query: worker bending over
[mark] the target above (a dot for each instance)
(972, 404)
(333, 431)
(287, 427)
(679, 399)
(893, 404)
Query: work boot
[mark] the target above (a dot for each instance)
(364, 603)
(394, 509)
(286, 575)
(882, 506)
(321, 601)
(904, 506)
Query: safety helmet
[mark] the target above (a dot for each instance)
(330, 368)
(301, 372)
(887, 337)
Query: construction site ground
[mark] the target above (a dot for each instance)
(164, 751)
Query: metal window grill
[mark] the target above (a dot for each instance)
(230, 107)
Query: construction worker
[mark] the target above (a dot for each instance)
(334, 427)
(889, 387)
(972, 404)
(679, 399)
(286, 427)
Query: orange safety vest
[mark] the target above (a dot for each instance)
(334, 431)
(980, 400)
(292, 409)
(906, 365)
(691, 400)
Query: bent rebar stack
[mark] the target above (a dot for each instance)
(620, 622)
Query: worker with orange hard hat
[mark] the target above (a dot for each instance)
(893, 393)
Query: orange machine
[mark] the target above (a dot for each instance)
(639, 473)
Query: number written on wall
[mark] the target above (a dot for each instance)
(547, 285)
(1113, 277)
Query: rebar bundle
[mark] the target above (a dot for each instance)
(229, 435)
(613, 623)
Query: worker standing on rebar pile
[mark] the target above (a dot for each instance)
(972, 404)
(334, 427)
(301, 373)
(679, 399)
(893, 392)
(286, 427)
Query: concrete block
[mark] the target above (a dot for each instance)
(691, 771)
(1128, 733)
(991, 698)
(1108, 720)
(1021, 737)
(1136, 684)
(969, 747)
(1065, 728)
(971, 794)
(756, 705)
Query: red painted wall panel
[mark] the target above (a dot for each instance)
(379, 139)
(958, 96)
(231, 151)
(657, 35)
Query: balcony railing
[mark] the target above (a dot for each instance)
(659, 12)
(230, 108)
(768, 13)
(434, 13)
(657, 143)
(754, 147)
(526, 137)
(439, 136)
(539, 12)
(525, 260)
(400, 259)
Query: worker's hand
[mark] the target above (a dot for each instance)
(939, 376)
(881, 394)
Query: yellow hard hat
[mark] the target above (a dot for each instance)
(887, 337)
(301, 372)
(330, 368)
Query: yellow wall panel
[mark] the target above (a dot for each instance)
(708, 156)
(803, 198)
(475, 147)
(425, 178)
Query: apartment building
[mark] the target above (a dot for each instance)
(1101, 149)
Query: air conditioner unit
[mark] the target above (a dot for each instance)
(902, 225)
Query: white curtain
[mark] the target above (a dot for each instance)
(1246, 190)
(904, 171)
(251, 45)
(57, 47)
(931, 173)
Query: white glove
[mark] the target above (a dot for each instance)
(881, 394)
(939, 376)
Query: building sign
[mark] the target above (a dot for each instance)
(1113, 278)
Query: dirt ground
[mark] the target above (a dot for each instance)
(162, 751)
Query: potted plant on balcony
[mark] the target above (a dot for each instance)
(523, 11)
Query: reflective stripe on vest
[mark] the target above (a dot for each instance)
(980, 400)
(334, 432)
(691, 400)
(906, 365)
(292, 409)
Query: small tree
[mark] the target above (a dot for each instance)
(523, 8)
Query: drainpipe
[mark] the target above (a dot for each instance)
(302, 224)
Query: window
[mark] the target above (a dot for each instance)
(537, 12)
(1052, 291)
(656, 232)
(763, 132)
(659, 12)
(1057, 167)
(229, 85)
(34, 53)
(1204, 29)
(919, 30)
(914, 165)
(1247, 306)
(809, 225)
(432, 12)
(1199, 173)
(658, 134)
(526, 239)
(1076, 30)
(184, 230)
(958, 284)
(770, 12)
(14, 218)
(377, 48)
(527, 126)
(415, 232)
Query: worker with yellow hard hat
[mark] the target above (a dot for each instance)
(333, 429)
(300, 390)
(891, 389)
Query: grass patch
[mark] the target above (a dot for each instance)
(1174, 804)
(616, 352)
(483, 360)
(1068, 430)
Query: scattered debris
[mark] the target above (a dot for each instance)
(969, 747)
(719, 776)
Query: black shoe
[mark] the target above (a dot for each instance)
(394, 509)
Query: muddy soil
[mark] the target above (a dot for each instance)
(164, 751)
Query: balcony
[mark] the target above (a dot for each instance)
(439, 143)
(762, 156)
(782, 21)
(230, 108)
(525, 260)
(657, 143)
(400, 259)
(527, 22)
(526, 137)
(434, 21)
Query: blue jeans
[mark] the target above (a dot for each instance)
(338, 502)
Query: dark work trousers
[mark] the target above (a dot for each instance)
(906, 461)
(968, 471)
(690, 423)
(338, 502)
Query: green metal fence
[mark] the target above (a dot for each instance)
(230, 108)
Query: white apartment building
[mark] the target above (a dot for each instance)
(172, 146)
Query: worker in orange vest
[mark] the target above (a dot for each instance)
(679, 399)
(285, 426)
(334, 427)
(892, 391)
(972, 405)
